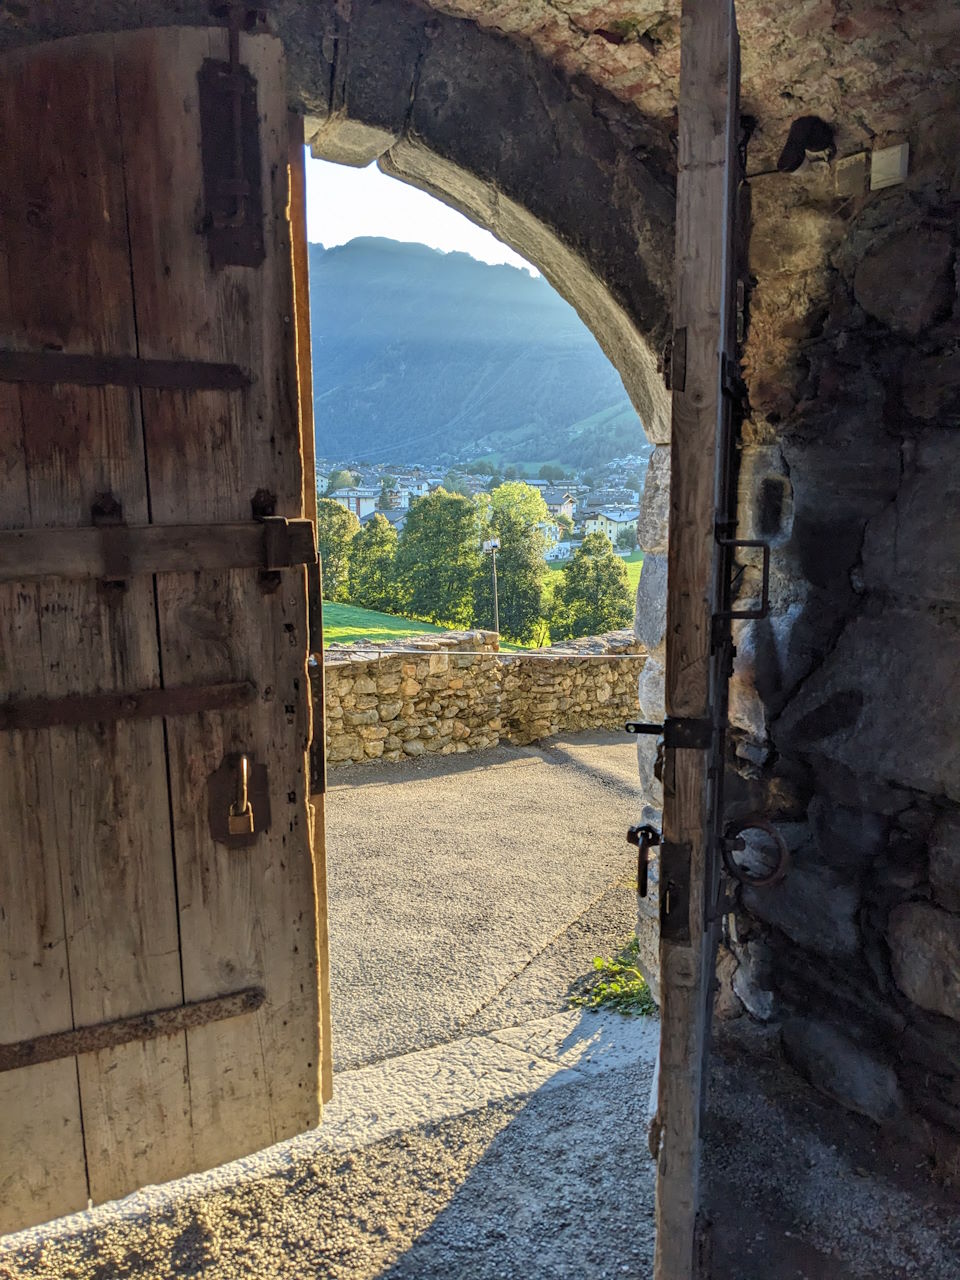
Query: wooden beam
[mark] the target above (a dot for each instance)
(140, 1026)
(708, 124)
(125, 551)
(105, 708)
(49, 367)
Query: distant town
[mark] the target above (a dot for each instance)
(602, 499)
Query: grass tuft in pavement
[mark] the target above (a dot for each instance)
(616, 984)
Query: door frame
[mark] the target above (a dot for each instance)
(698, 651)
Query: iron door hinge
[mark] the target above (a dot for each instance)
(230, 152)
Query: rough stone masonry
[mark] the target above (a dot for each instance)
(455, 692)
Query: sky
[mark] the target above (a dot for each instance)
(343, 203)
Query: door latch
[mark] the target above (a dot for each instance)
(645, 838)
(240, 816)
(238, 800)
(678, 731)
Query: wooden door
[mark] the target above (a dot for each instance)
(697, 597)
(159, 991)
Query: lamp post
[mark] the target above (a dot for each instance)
(493, 546)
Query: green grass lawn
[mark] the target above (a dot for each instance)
(344, 623)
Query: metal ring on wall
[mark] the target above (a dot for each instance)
(733, 841)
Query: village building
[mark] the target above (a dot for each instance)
(361, 501)
(560, 502)
(612, 521)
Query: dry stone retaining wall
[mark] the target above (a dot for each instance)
(585, 684)
(456, 692)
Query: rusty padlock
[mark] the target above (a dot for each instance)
(240, 817)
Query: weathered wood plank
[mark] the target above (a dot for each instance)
(251, 913)
(301, 298)
(707, 133)
(85, 841)
(118, 371)
(123, 551)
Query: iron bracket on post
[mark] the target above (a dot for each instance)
(107, 513)
(683, 732)
(731, 384)
(747, 615)
(230, 150)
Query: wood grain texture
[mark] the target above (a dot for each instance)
(704, 283)
(301, 296)
(86, 839)
(247, 917)
(107, 908)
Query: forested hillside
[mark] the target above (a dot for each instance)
(424, 356)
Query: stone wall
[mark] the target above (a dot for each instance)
(441, 695)
(584, 684)
(843, 703)
(456, 692)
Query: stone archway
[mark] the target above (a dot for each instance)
(489, 128)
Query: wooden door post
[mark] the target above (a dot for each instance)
(704, 287)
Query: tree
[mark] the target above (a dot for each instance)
(340, 480)
(371, 576)
(336, 529)
(520, 501)
(593, 595)
(627, 537)
(565, 524)
(388, 490)
(552, 472)
(514, 512)
(454, 482)
(438, 558)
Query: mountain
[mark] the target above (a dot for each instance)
(424, 356)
